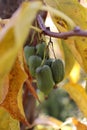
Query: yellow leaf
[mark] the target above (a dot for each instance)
(79, 95)
(20, 101)
(17, 77)
(81, 47)
(68, 58)
(75, 73)
(7, 122)
(78, 48)
(62, 21)
(14, 34)
(3, 22)
(4, 88)
(76, 12)
(5, 82)
(72, 9)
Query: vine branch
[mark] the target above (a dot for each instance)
(63, 35)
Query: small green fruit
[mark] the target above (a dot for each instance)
(44, 79)
(29, 51)
(34, 62)
(57, 68)
(40, 49)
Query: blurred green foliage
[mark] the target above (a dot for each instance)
(59, 105)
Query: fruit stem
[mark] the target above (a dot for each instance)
(61, 35)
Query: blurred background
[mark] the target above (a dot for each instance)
(58, 105)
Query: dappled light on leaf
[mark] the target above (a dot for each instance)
(75, 73)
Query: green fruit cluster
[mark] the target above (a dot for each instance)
(51, 73)
(47, 71)
(34, 56)
(57, 69)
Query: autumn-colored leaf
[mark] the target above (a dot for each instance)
(17, 77)
(7, 122)
(79, 125)
(4, 88)
(26, 68)
(79, 95)
(13, 36)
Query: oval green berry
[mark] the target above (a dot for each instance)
(44, 79)
(40, 49)
(57, 68)
(29, 51)
(34, 62)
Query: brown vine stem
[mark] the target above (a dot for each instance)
(62, 35)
